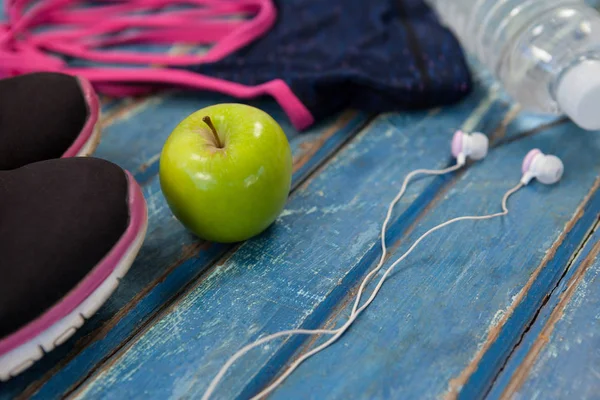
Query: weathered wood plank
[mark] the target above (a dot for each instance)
(295, 273)
(170, 257)
(564, 359)
(557, 356)
(492, 358)
(450, 300)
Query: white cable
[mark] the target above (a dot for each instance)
(211, 388)
(355, 310)
(387, 220)
(341, 330)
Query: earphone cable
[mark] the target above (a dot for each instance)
(356, 311)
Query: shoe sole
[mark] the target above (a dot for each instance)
(92, 143)
(22, 349)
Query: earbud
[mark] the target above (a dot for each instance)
(547, 169)
(474, 146)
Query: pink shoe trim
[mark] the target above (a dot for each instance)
(138, 215)
(93, 106)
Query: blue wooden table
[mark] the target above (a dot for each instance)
(508, 308)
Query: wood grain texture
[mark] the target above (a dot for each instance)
(564, 360)
(170, 257)
(438, 311)
(477, 378)
(298, 272)
(231, 299)
(536, 348)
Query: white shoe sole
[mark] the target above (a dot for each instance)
(24, 356)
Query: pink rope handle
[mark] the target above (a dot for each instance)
(228, 35)
(25, 58)
(36, 14)
(22, 46)
(87, 15)
(161, 31)
(14, 8)
(196, 19)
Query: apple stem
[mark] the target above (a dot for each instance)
(208, 122)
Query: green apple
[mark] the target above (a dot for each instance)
(226, 171)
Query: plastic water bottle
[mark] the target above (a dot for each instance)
(545, 52)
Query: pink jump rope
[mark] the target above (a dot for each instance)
(84, 33)
(81, 32)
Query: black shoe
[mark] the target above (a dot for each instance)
(45, 116)
(69, 230)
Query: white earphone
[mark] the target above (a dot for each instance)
(474, 146)
(547, 169)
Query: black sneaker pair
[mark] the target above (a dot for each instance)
(70, 227)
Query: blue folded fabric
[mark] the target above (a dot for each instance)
(374, 55)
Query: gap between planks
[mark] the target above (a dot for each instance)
(522, 371)
(457, 383)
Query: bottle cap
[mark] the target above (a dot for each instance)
(578, 94)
